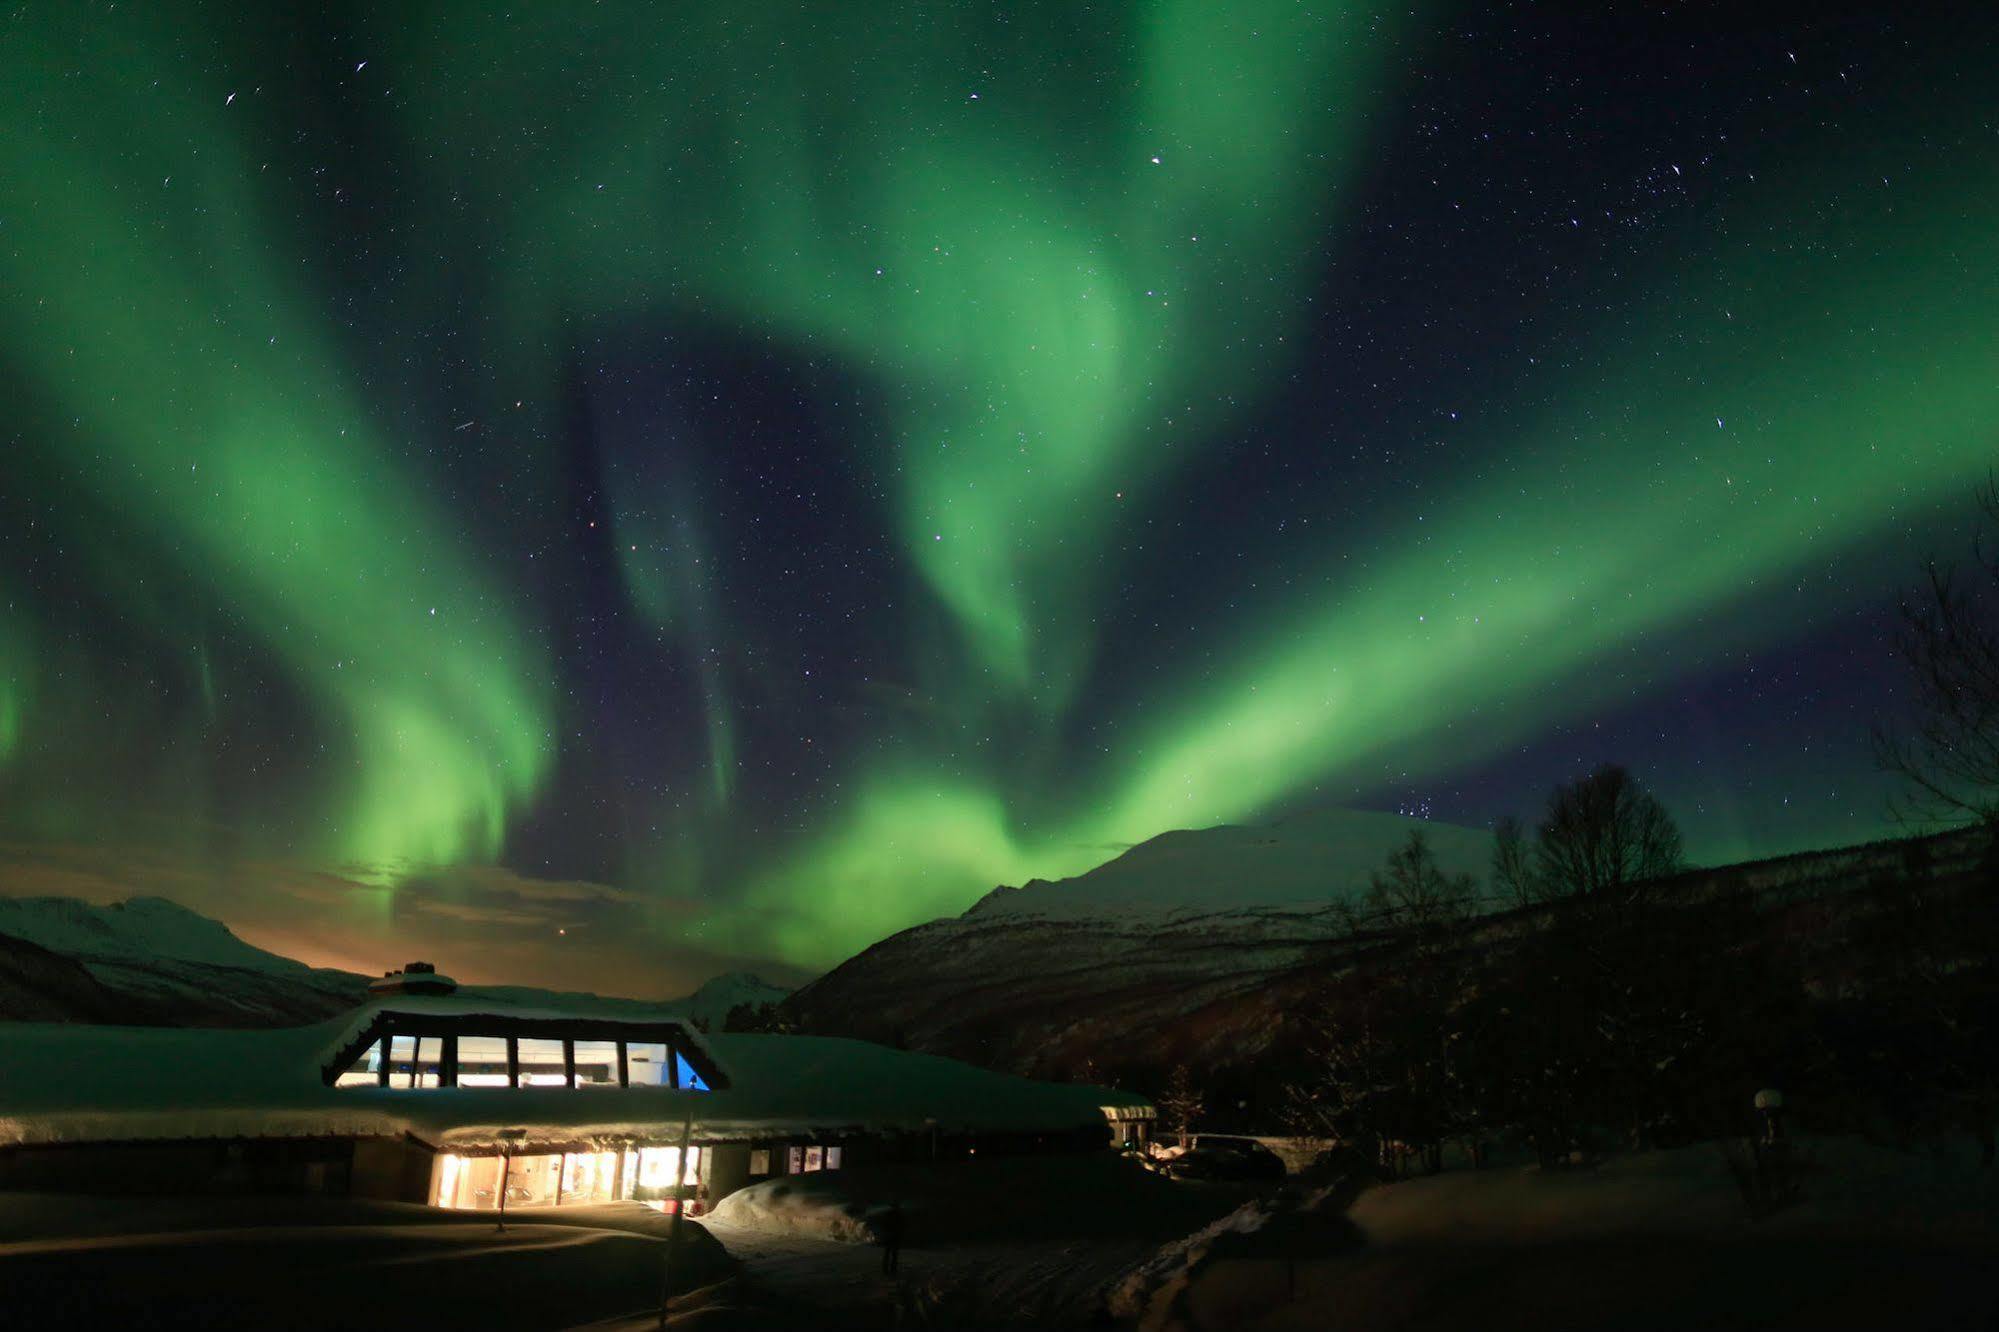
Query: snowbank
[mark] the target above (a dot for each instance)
(1093, 1195)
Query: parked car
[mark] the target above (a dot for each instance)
(1226, 1159)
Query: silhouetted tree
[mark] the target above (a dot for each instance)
(1414, 890)
(769, 1018)
(1948, 756)
(1603, 838)
(1512, 864)
(1181, 1104)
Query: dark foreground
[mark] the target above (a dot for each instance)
(1875, 1239)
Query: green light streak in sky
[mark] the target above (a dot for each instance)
(142, 297)
(16, 660)
(1777, 413)
(1057, 256)
(1059, 298)
(667, 569)
(1773, 415)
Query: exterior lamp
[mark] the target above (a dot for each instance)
(509, 1139)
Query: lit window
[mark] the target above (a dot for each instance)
(589, 1176)
(596, 1063)
(365, 1071)
(482, 1061)
(541, 1063)
(760, 1161)
(646, 1062)
(689, 1079)
(430, 1061)
(656, 1166)
(832, 1158)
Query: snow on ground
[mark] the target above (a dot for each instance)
(313, 1263)
(1876, 1239)
(1000, 1199)
(1656, 1240)
(1010, 1242)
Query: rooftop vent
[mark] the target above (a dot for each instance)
(414, 978)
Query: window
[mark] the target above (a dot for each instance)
(814, 1159)
(760, 1161)
(419, 1060)
(414, 1062)
(365, 1071)
(596, 1063)
(469, 1181)
(656, 1169)
(482, 1061)
(532, 1180)
(794, 1160)
(832, 1158)
(589, 1176)
(646, 1061)
(542, 1063)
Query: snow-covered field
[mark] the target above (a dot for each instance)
(312, 1263)
(1876, 1239)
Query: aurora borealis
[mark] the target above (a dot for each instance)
(772, 472)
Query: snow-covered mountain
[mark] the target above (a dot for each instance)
(1307, 861)
(152, 961)
(1201, 947)
(710, 1004)
(141, 929)
(1209, 935)
(707, 1006)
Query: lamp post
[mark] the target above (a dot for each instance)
(679, 1210)
(508, 1139)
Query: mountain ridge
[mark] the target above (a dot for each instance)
(149, 961)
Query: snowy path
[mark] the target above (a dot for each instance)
(788, 1281)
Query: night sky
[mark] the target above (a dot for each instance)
(726, 482)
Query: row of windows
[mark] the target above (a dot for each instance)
(485, 1061)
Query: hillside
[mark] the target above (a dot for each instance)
(1100, 981)
(1306, 862)
(151, 962)
(1218, 931)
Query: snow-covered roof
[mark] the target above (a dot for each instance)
(72, 1083)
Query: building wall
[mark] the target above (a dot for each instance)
(394, 1169)
(253, 1165)
(726, 1167)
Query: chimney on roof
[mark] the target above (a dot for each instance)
(414, 978)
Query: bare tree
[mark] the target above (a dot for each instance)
(1512, 867)
(1948, 759)
(1604, 836)
(1414, 890)
(1182, 1104)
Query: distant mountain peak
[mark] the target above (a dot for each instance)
(139, 928)
(1311, 858)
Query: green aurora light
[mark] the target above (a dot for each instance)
(1056, 294)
